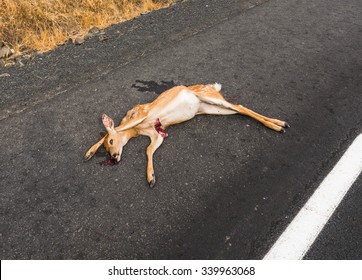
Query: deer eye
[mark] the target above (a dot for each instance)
(111, 141)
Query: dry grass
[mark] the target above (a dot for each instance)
(41, 25)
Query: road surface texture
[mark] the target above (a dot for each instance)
(226, 185)
(341, 238)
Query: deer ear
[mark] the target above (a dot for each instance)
(108, 123)
(102, 134)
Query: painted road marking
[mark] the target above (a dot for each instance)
(296, 240)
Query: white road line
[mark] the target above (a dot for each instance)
(296, 240)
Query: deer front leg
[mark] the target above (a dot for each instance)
(156, 141)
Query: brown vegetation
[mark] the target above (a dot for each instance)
(41, 25)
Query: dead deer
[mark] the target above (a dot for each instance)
(176, 105)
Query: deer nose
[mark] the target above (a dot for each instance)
(117, 157)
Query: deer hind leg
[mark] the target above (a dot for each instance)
(227, 107)
(156, 141)
(210, 109)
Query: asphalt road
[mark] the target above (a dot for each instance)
(341, 237)
(226, 185)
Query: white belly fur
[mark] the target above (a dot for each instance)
(182, 108)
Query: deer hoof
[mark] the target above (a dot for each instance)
(282, 130)
(286, 124)
(88, 156)
(152, 183)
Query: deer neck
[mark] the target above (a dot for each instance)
(130, 133)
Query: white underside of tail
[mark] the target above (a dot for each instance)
(217, 86)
